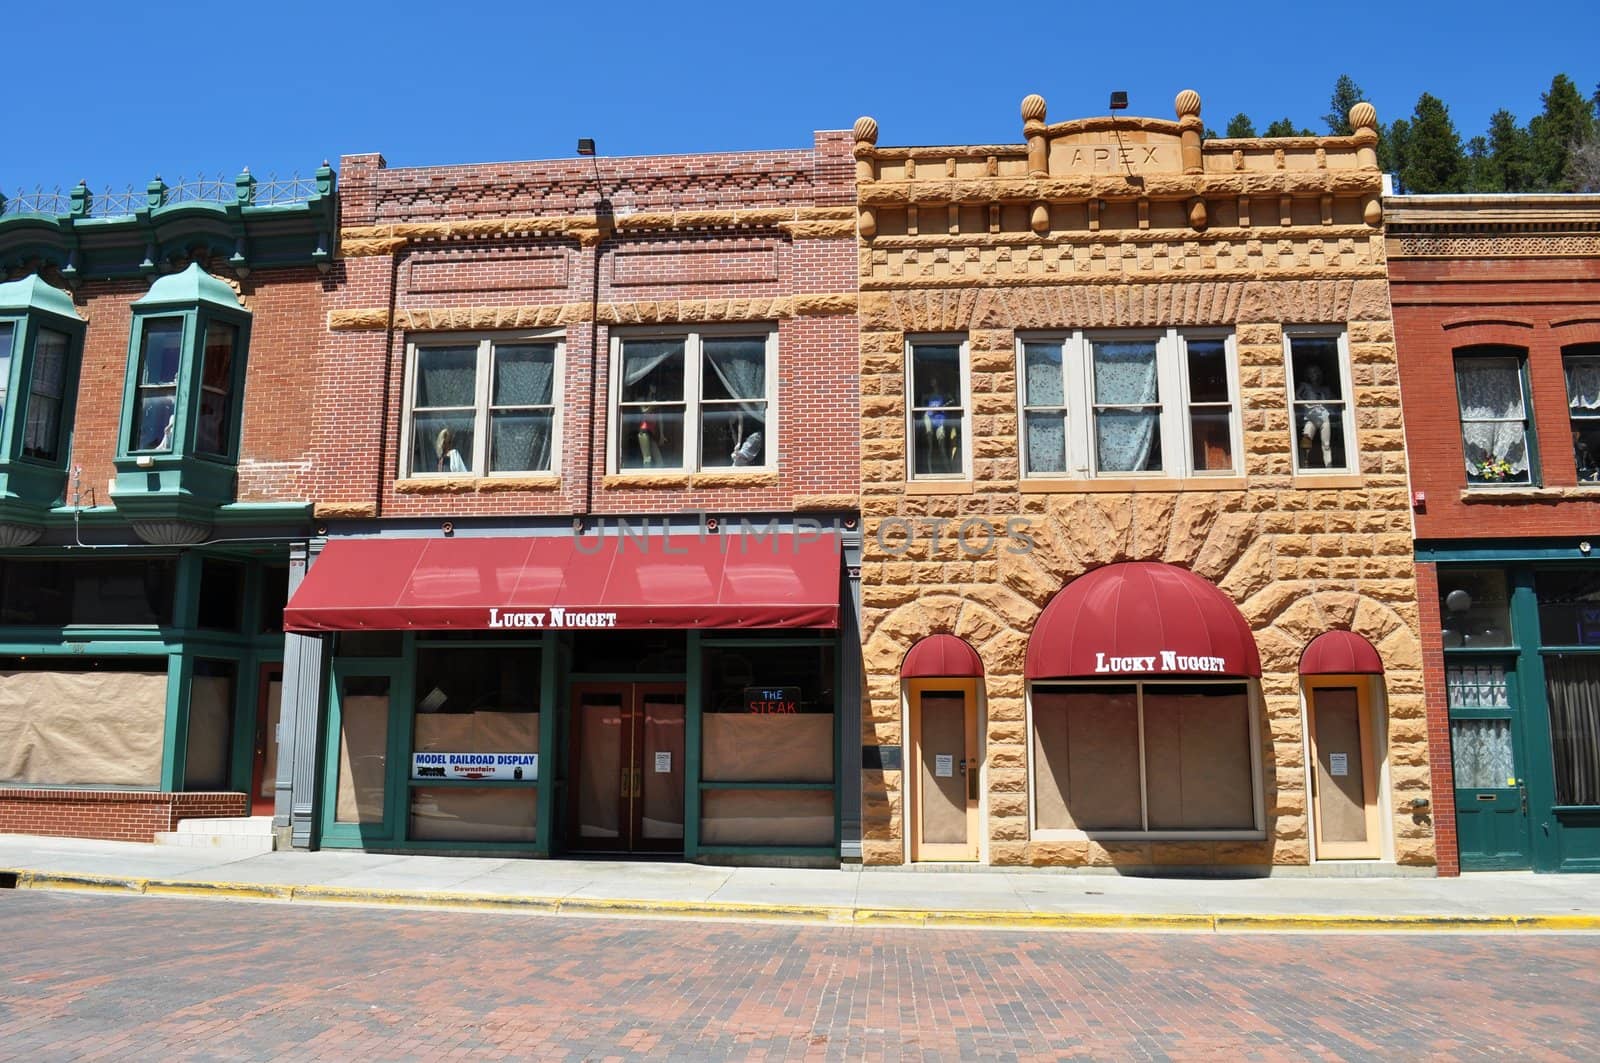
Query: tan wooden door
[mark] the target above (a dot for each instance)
(1344, 776)
(943, 769)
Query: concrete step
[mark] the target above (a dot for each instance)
(243, 834)
(236, 843)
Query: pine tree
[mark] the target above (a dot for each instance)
(1346, 94)
(1283, 127)
(1511, 152)
(1209, 134)
(1568, 120)
(1433, 161)
(1480, 173)
(1240, 127)
(1392, 145)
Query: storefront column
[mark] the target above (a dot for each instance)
(849, 704)
(298, 718)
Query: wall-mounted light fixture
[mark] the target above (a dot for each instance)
(1119, 101)
(585, 145)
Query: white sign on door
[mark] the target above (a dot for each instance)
(664, 763)
(1338, 764)
(944, 765)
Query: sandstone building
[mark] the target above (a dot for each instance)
(1136, 574)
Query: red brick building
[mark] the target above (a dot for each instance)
(153, 348)
(1497, 321)
(566, 395)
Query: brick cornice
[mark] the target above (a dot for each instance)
(549, 315)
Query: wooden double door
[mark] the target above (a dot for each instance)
(626, 770)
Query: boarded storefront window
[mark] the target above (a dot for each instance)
(81, 724)
(1159, 757)
(769, 719)
(482, 703)
(205, 765)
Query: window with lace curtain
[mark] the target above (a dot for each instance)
(482, 406)
(1582, 365)
(685, 401)
(1496, 438)
(1118, 404)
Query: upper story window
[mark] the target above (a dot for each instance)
(1319, 394)
(1583, 402)
(694, 400)
(40, 338)
(1129, 404)
(483, 406)
(186, 372)
(936, 408)
(1496, 437)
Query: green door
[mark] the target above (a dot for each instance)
(363, 753)
(1487, 749)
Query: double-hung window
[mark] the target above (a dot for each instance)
(1496, 441)
(1129, 404)
(40, 334)
(936, 407)
(1583, 403)
(483, 406)
(695, 400)
(1322, 431)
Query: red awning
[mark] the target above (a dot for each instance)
(1340, 653)
(942, 657)
(564, 582)
(1140, 618)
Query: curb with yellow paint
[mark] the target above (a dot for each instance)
(847, 915)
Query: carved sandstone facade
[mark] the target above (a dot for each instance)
(1092, 232)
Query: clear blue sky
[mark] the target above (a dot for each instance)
(116, 93)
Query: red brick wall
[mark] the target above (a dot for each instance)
(115, 815)
(1537, 304)
(361, 402)
(287, 352)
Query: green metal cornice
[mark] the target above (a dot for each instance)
(246, 223)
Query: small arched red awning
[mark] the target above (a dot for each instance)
(942, 657)
(1340, 653)
(1140, 618)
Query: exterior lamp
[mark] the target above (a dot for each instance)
(586, 146)
(1119, 101)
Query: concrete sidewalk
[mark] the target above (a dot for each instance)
(1022, 898)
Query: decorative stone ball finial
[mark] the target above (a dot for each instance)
(1033, 108)
(866, 129)
(1363, 116)
(1187, 103)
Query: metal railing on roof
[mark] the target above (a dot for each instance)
(245, 190)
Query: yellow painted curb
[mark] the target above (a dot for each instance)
(1558, 922)
(1070, 920)
(704, 910)
(1457, 923)
(252, 891)
(424, 898)
(70, 880)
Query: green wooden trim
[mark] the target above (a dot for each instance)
(712, 642)
(1449, 552)
(769, 785)
(693, 700)
(470, 784)
(95, 646)
(174, 740)
(549, 707)
(519, 848)
(359, 835)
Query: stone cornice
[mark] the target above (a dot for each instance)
(644, 312)
(799, 222)
(1082, 187)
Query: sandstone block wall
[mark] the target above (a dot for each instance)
(1250, 236)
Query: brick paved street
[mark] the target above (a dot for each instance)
(100, 977)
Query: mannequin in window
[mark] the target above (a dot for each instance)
(749, 451)
(444, 445)
(941, 435)
(648, 432)
(1315, 419)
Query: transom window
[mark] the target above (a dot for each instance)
(1137, 403)
(1319, 390)
(694, 400)
(483, 406)
(1583, 403)
(1495, 437)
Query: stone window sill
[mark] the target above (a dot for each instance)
(1478, 495)
(467, 485)
(939, 487)
(1305, 482)
(1124, 485)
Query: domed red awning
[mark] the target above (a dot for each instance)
(1140, 618)
(942, 657)
(1340, 653)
